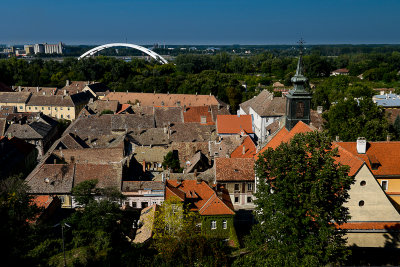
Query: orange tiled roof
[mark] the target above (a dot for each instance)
(194, 114)
(284, 136)
(233, 124)
(386, 153)
(234, 169)
(123, 108)
(42, 201)
(205, 198)
(167, 100)
(345, 157)
(246, 150)
(369, 225)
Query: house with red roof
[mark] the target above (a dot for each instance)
(247, 149)
(234, 124)
(372, 212)
(212, 202)
(237, 176)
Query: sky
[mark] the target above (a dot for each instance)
(219, 22)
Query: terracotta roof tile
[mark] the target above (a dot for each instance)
(194, 114)
(233, 124)
(234, 169)
(247, 149)
(208, 202)
(159, 100)
(370, 226)
(387, 153)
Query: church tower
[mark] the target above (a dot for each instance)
(298, 100)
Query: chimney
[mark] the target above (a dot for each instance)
(227, 107)
(44, 93)
(89, 139)
(388, 137)
(361, 145)
(55, 161)
(65, 92)
(337, 138)
(37, 89)
(184, 108)
(244, 150)
(320, 109)
(13, 87)
(165, 130)
(67, 83)
(19, 88)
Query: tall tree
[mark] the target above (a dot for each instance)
(350, 119)
(300, 198)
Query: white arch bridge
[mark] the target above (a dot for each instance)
(154, 55)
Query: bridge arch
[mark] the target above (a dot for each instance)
(154, 55)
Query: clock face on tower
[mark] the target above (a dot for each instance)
(299, 109)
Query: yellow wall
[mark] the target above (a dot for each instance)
(377, 206)
(58, 112)
(67, 202)
(367, 239)
(20, 106)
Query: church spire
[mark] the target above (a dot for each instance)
(299, 80)
(298, 100)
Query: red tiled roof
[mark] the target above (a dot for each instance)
(249, 149)
(369, 226)
(234, 169)
(167, 100)
(345, 157)
(344, 70)
(194, 114)
(207, 203)
(42, 201)
(233, 124)
(123, 108)
(386, 153)
(284, 136)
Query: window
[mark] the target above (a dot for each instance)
(49, 108)
(29, 108)
(62, 198)
(213, 225)
(35, 108)
(236, 187)
(224, 224)
(249, 199)
(223, 185)
(68, 116)
(363, 183)
(61, 108)
(236, 199)
(300, 110)
(126, 203)
(42, 108)
(55, 108)
(250, 187)
(62, 116)
(133, 205)
(20, 107)
(67, 108)
(361, 203)
(384, 185)
(145, 205)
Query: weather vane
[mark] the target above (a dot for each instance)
(301, 43)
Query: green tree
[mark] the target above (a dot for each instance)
(300, 197)
(171, 161)
(350, 119)
(176, 232)
(17, 211)
(396, 127)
